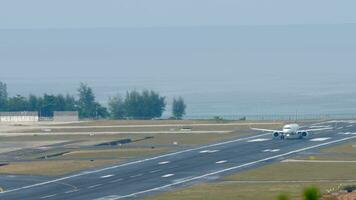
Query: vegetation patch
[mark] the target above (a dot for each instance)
(53, 167)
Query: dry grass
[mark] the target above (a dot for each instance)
(113, 153)
(237, 191)
(308, 174)
(52, 167)
(347, 148)
(299, 171)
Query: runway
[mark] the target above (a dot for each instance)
(136, 179)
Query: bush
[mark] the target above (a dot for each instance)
(311, 193)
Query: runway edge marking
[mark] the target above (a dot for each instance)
(233, 168)
(133, 163)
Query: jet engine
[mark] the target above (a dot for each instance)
(277, 135)
(303, 134)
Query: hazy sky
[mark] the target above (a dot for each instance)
(223, 56)
(148, 13)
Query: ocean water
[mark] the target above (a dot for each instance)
(207, 98)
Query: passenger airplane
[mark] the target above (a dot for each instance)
(291, 131)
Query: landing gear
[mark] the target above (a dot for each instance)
(282, 137)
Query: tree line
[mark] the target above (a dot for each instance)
(146, 104)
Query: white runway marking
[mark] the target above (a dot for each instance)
(209, 151)
(117, 180)
(134, 176)
(319, 139)
(164, 162)
(107, 176)
(347, 133)
(259, 140)
(155, 171)
(48, 196)
(111, 197)
(221, 162)
(167, 175)
(94, 186)
(71, 191)
(271, 150)
(349, 126)
(233, 168)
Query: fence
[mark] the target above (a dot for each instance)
(19, 116)
(65, 116)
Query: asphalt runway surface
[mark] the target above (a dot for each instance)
(140, 178)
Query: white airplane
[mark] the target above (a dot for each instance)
(291, 131)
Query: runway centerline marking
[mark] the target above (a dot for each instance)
(48, 196)
(221, 162)
(138, 175)
(320, 139)
(164, 162)
(271, 150)
(117, 180)
(94, 186)
(259, 140)
(167, 175)
(209, 151)
(107, 176)
(71, 191)
(155, 171)
(111, 197)
(233, 168)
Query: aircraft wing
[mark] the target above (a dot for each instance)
(265, 130)
(317, 129)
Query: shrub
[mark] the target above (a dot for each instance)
(311, 193)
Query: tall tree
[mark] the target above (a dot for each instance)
(3, 96)
(154, 103)
(178, 108)
(48, 105)
(17, 103)
(70, 103)
(133, 105)
(34, 103)
(88, 107)
(117, 107)
(86, 102)
(145, 105)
